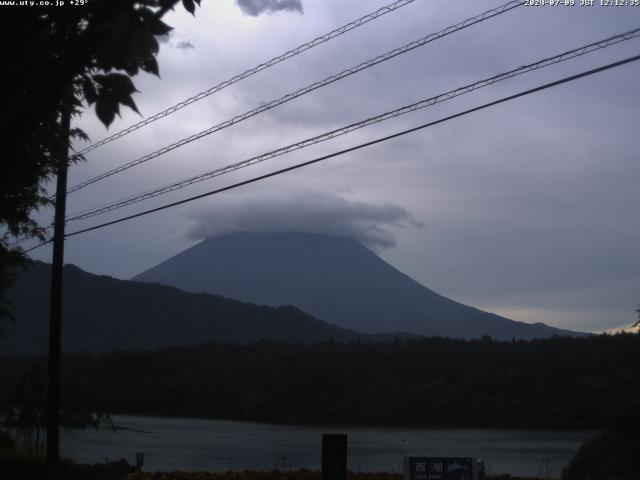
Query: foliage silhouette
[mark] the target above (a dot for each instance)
(614, 453)
(25, 410)
(61, 59)
(555, 383)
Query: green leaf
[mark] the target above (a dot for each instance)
(121, 83)
(150, 42)
(78, 133)
(153, 24)
(121, 24)
(128, 101)
(189, 6)
(116, 82)
(106, 110)
(131, 68)
(89, 90)
(114, 89)
(168, 3)
(151, 65)
(99, 78)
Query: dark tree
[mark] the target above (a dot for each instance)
(58, 59)
(614, 453)
(25, 413)
(433, 382)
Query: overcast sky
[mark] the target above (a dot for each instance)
(529, 209)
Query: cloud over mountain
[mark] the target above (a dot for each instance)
(301, 210)
(258, 7)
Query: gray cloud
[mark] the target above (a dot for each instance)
(301, 211)
(185, 45)
(531, 205)
(171, 40)
(258, 7)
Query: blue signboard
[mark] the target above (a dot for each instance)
(442, 468)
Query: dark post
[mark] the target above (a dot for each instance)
(139, 461)
(334, 456)
(55, 309)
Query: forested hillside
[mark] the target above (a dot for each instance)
(559, 382)
(103, 313)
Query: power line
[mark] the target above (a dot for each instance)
(236, 78)
(38, 246)
(357, 147)
(303, 91)
(568, 55)
(252, 71)
(351, 149)
(21, 240)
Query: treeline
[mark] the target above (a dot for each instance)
(558, 382)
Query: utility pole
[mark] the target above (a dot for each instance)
(55, 306)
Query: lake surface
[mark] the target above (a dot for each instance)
(198, 444)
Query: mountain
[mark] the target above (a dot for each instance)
(102, 313)
(335, 279)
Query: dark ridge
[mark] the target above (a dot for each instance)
(101, 313)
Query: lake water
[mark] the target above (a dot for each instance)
(198, 444)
